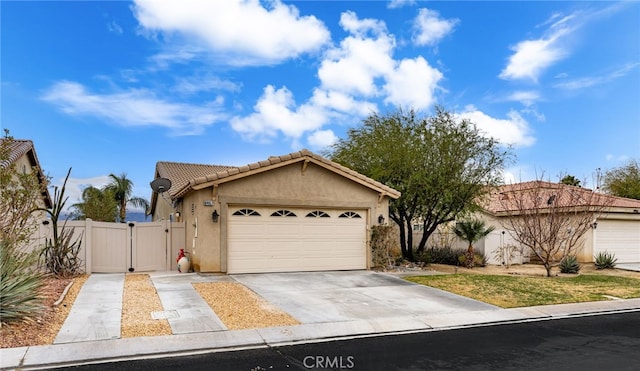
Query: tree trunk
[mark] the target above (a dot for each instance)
(470, 257)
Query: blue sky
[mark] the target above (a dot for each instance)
(112, 87)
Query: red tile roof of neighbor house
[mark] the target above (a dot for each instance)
(185, 176)
(22, 147)
(496, 204)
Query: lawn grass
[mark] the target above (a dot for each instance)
(513, 292)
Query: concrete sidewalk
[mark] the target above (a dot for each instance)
(216, 338)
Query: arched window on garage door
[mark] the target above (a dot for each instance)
(246, 212)
(283, 213)
(350, 215)
(318, 214)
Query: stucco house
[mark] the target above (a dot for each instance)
(22, 154)
(616, 229)
(297, 212)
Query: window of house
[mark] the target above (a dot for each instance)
(318, 214)
(350, 215)
(246, 212)
(283, 213)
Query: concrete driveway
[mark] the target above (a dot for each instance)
(319, 297)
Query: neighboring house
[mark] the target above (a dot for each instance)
(297, 212)
(616, 230)
(22, 154)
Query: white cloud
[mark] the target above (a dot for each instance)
(275, 111)
(532, 57)
(114, 27)
(361, 68)
(360, 58)
(322, 139)
(429, 28)
(394, 4)
(413, 84)
(616, 158)
(514, 130)
(196, 84)
(238, 32)
(526, 97)
(134, 107)
(586, 82)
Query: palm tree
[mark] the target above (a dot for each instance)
(472, 231)
(122, 189)
(97, 204)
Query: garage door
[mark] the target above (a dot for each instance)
(290, 239)
(621, 237)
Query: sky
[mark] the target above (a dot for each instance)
(114, 86)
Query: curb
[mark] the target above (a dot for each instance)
(113, 350)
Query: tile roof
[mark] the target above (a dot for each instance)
(185, 176)
(17, 149)
(181, 173)
(22, 147)
(495, 202)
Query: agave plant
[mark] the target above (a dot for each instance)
(605, 260)
(569, 264)
(20, 283)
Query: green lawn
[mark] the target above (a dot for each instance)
(512, 292)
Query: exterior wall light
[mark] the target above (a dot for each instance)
(215, 216)
(381, 219)
(594, 225)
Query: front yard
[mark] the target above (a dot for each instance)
(523, 286)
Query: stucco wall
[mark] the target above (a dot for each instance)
(284, 186)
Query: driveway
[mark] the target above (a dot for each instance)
(319, 297)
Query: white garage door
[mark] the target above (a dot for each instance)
(264, 239)
(621, 237)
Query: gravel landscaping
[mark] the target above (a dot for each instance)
(140, 298)
(43, 328)
(240, 308)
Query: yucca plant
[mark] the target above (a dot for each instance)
(20, 283)
(569, 264)
(605, 260)
(60, 255)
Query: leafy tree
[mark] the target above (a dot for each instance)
(570, 180)
(20, 281)
(122, 189)
(624, 181)
(472, 231)
(440, 164)
(550, 219)
(97, 204)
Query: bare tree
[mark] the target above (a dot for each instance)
(550, 219)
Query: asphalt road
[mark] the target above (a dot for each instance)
(604, 342)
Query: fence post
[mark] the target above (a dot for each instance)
(88, 248)
(168, 245)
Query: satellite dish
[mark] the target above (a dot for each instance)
(160, 185)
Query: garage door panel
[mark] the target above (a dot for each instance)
(283, 243)
(620, 237)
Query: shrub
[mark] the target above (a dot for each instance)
(444, 255)
(20, 283)
(569, 264)
(605, 260)
(383, 241)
